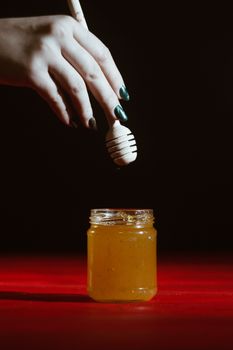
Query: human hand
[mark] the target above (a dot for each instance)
(61, 60)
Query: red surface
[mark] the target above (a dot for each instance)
(43, 305)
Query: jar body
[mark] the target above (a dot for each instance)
(122, 262)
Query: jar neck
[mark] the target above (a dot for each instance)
(129, 217)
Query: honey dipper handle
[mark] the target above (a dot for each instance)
(77, 12)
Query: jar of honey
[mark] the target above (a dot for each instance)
(122, 255)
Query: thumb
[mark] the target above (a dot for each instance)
(77, 12)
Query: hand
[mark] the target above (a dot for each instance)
(60, 59)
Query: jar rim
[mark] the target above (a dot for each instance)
(121, 216)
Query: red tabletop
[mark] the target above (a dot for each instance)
(44, 305)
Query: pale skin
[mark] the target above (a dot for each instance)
(62, 61)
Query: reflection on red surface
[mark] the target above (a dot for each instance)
(43, 305)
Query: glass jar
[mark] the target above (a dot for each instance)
(122, 264)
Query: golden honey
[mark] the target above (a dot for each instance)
(122, 255)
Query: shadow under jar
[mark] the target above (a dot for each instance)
(122, 262)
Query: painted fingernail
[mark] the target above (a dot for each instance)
(73, 124)
(124, 93)
(92, 124)
(120, 113)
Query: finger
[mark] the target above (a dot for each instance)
(48, 90)
(73, 84)
(77, 12)
(103, 57)
(93, 76)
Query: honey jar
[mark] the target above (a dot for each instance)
(122, 264)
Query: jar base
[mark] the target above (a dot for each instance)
(133, 296)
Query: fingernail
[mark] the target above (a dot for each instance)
(124, 93)
(120, 113)
(73, 124)
(92, 124)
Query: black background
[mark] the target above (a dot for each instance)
(177, 62)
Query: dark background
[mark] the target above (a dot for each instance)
(177, 62)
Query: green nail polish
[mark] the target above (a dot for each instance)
(124, 93)
(92, 124)
(120, 113)
(73, 124)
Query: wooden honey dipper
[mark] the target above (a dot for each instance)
(121, 144)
